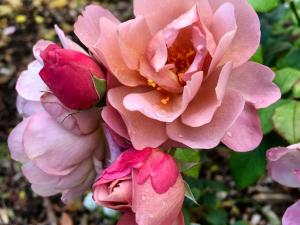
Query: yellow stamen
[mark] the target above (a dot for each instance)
(165, 100)
(151, 83)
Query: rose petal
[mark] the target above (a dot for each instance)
(15, 142)
(247, 37)
(87, 26)
(140, 128)
(29, 85)
(152, 208)
(209, 135)
(282, 164)
(209, 98)
(108, 50)
(160, 13)
(149, 103)
(292, 215)
(128, 218)
(245, 134)
(78, 122)
(254, 82)
(133, 45)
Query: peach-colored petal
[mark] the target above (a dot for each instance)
(114, 195)
(223, 21)
(246, 133)
(247, 36)
(292, 215)
(165, 79)
(254, 82)
(282, 164)
(108, 50)
(220, 50)
(209, 98)
(156, 209)
(143, 131)
(113, 119)
(133, 45)
(149, 103)
(87, 26)
(160, 13)
(209, 135)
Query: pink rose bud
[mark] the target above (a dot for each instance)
(145, 185)
(73, 77)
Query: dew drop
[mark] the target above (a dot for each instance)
(180, 135)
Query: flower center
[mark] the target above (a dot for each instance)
(181, 56)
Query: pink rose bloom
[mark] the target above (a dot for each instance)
(284, 167)
(145, 185)
(183, 72)
(60, 150)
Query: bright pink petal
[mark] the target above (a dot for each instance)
(209, 98)
(152, 208)
(246, 133)
(162, 169)
(254, 82)
(108, 50)
(149, 103)
(140, 128)
(133, 45)
(160, 13)
(282, 165)
(292, 215)
(78, 122)
(247, 37)
(209, 135)
(87, 26)
(125, 162)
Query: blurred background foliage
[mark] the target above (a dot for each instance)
(224, 187)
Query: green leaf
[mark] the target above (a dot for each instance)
(292, 59)
(258, 56)
(266, 115)
(216, 217)
(286, 78)
(240, 223)
(100, 85)
(264, 5)
(247, 168)
(286, 121)
(189, 194)
(189, 161)
(296, 90)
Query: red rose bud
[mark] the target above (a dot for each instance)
(73, 77)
